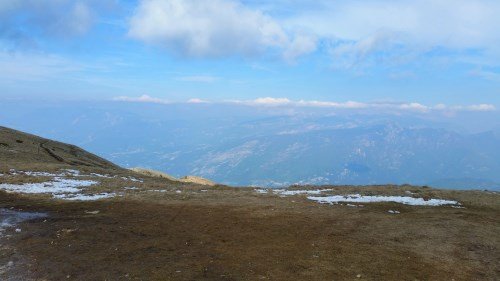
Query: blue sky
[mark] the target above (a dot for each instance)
(417, 54)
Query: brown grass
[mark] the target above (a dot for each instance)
(235, 234)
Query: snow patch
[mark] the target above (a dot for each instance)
(58, 185)
(285, 192)
(84, 197)
(131, 179)
(356, 198)
(298, 192)
(70, 172)
(60, 188)
(101, 176)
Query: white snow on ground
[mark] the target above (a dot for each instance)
(67, 172)
(297, 192)
(101, 176)
(353, 205)
(394, 212)
(84, 197)
(70, 172)
(131, 179)
(134, 179)
(61, 187)
(285, 192)
(356, 198)
(58, 185)
(41, 174)
(73, 172)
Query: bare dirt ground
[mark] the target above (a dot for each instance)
(236, 234)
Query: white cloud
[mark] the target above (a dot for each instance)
(385, 30)
(299, 46)
(270, 101)
(196, 100)
(412, 106)
(349, 105)
(447, 23)
(356, 33)
(480, 107)
(205, 28)
(143, 98)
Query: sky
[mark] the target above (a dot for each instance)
(412, 55)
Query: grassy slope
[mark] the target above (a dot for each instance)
(26, 150)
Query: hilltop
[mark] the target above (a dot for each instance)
(67, 214)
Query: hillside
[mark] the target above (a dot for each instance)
(26, 150)
(66, 214)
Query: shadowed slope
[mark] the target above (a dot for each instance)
(21, 148)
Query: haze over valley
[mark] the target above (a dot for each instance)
(279, 145)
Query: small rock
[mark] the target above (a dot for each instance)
(358, 276)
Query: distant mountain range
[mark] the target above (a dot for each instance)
(242, 145)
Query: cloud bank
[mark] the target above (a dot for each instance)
(353, 33)
(143, 99)
(285, 102)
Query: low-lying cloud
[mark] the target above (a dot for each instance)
(143, 98)
(348, 105)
